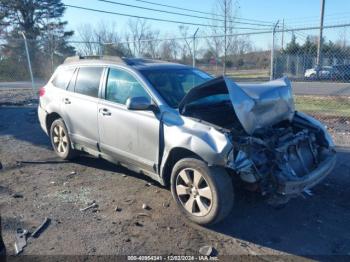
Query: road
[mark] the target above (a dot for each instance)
(300, 88)
(321, 88)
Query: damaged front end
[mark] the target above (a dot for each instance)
(285, 159)
(282, 151)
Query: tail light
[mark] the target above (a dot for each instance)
(41, 91)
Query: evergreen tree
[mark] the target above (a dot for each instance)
(41, 21)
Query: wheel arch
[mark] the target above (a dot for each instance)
(174, 155)
(50, 118)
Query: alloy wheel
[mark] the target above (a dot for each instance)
(60, 139)
(193, 192)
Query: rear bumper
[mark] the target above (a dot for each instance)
(298, 185)
(42, 119)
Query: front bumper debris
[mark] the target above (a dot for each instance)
(299, 184)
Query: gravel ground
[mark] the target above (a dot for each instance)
(313, 225)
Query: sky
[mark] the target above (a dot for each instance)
(296, 14)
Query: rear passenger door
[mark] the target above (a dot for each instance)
(79, 105)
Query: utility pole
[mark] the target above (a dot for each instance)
(225, 37)
(319, 46)
(28, 59)
(272, 66)
(194, 48)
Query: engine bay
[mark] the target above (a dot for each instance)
(286, 152)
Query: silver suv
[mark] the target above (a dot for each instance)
(186, 129)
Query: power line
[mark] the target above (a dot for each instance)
(229, 35)
(200, 12)
(206, 36)
(181, 14)
(152, 18)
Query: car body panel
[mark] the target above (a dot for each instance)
(131, 136)
(256, 106)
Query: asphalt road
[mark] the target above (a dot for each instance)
(300, 88)
(321, 88)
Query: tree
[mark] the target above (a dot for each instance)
(292, 47)
(138, 36)
(103, 39)
(169, 50)
(223, 24)
(186, 48)
(41, 21)
(152, 44)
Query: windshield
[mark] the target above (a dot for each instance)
(173, 84)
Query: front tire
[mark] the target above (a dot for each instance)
(203, 194)
(60, 140)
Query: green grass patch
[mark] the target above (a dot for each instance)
(247, 75)
(327, 105)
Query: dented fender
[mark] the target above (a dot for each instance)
(204, 140)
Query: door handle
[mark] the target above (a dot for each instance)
(67, 101)
(105, 112)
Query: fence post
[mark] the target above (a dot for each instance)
(28, 59)
(272, 63)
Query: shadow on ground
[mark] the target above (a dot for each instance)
(21, 123)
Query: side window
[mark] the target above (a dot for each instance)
(121, 85)
(63, 77)
(88, 81)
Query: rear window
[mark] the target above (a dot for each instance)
(88, 81)
(63, 77)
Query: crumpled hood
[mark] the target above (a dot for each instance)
(256, 105)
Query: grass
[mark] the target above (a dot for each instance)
(247, 75)
(327, 105)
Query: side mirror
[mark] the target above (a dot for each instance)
(139, 103)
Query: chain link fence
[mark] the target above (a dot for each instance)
(321, 90)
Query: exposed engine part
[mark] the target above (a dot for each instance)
(277, 156)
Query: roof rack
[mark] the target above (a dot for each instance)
(72, 59)
(140, 61)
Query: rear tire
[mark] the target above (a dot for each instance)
(60, 140)
(203, 194)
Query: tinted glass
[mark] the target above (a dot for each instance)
(63, 77)
(121, 86)
(88, 81)
(174, 84)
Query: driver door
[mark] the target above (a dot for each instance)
(126, 135)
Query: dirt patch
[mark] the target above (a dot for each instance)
(18, 97)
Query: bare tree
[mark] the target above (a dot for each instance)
(103, 39)
(169, 50)
(186, 48)
(88, 46)
(152, 44)
(174, 47)
(225, 28)
(137, 34)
